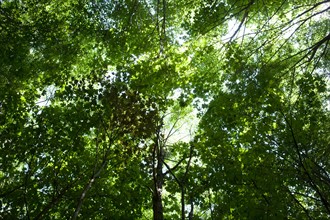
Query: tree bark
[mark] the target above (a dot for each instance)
(182, 203)
(158, 176)
(191, 213)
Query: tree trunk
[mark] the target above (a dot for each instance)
(191, 213)
(183, 216)
(157, 205)
(158, 156)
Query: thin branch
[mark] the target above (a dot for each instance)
(171, 172)
(317, 45)
(243, 19)
(88, 186)
(55, 200)
(189, 161)
(11, 191)
(299, 203)
(96, 173)
(175, 167)
(313, 184)
(262, 194)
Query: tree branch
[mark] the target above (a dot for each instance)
(313, 184)
(88, 186)
(174, 168)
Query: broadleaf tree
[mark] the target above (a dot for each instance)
(162, 109)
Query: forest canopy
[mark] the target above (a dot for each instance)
(163, 109)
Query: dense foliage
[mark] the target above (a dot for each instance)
(164, 109)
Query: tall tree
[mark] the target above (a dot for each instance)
(92, 94)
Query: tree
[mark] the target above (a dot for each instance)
(93, 92)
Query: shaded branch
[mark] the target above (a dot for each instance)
(313, 184)
(171, 172)
(88, 186)
(299, 203)
(246, 9)
(55, 200)
(175, 167)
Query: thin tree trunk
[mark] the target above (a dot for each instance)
(182, 203)
(87, 187)
(158, 175)
(191, 213)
